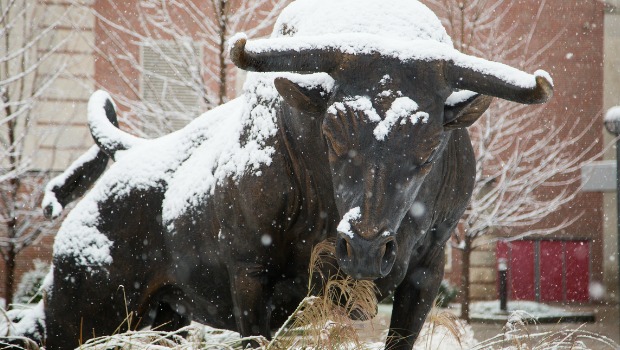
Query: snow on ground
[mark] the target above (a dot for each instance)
(532, 308)
(439, 337)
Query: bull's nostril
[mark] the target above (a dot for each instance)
(349, 250)
(388, 256)
(383, 250)
(388, 250)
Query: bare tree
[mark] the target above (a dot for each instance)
(525, 171)
(27, 43)
(169, 58)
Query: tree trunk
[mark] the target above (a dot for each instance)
(11, 207)
(223, 22)
(9, 275)
(465, 281)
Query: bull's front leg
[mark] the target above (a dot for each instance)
(414, 298)
(251, 296)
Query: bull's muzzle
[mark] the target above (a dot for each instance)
(366, 259)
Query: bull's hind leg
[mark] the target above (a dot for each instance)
(414, 299)
(251, 296)
(170, 309)
(82, 303)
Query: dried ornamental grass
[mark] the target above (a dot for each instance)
(324, 321)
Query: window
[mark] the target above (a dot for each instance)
(171, 82)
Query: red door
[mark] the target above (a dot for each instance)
(551, 271)
(548, 271)
(577, 271)
(521, 271)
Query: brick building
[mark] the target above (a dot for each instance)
(582, 38)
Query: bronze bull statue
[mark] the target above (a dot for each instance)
(216, 223)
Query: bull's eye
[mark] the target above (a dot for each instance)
(426, 167)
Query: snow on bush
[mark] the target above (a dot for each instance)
(29, 287)
(447, 294)
(23, 321)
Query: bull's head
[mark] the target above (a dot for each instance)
(385, 123)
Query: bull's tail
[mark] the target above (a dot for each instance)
(73, 182)
(82, 173)
(103, 125)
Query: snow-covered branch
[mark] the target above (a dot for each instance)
(526, 168)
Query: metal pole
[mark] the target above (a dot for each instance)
(612, 124)
(503, 284)
(618, 218)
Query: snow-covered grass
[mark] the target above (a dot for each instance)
(442, 331)
(517, 336)
(319, 323)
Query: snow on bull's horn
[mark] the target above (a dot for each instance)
(321, 35)
(327, 53)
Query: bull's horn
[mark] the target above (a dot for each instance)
(462, 71)
(499, 80)
(307, 60)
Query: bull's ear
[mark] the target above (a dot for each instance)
(308, 99)
(464, 113)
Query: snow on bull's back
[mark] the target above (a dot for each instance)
(145, 167)
(397, 19)
(222, 154)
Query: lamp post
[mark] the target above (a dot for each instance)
(612, 124)
(502, 267)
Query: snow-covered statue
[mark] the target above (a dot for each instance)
(365, 143)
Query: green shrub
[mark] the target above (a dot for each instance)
(30, 284)
(447, 294)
